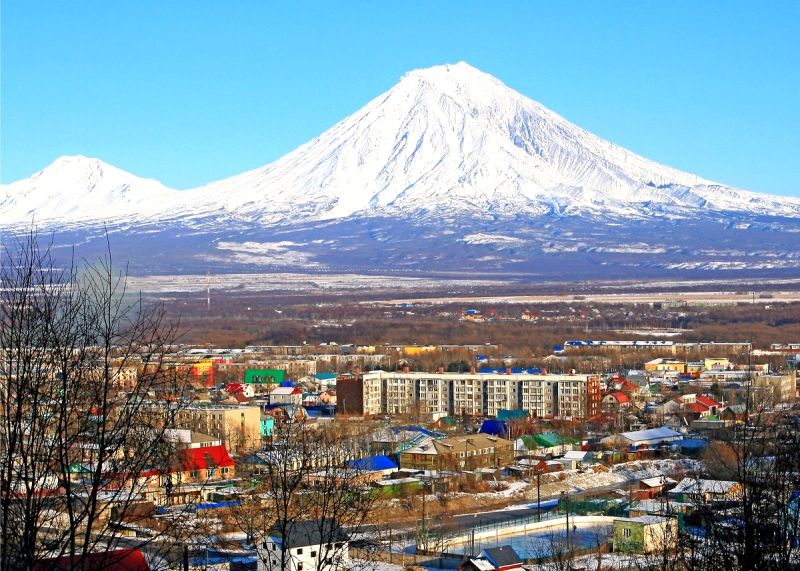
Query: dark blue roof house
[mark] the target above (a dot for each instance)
(372, 464)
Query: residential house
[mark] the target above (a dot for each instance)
(381, 464)
(312, 545)
(128, 559)
(459, 453)
(616, 401)
(286, 395)
(643, 438)
(501, 558)
(645, 534)
(695, 489)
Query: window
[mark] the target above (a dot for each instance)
(626, 532)
(194, 473)
(313, 554)
(299, 551)
(209, 472)
(274, 547)
(225, 470)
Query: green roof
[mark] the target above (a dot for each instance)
(261, 376)
(448, 421)
(550, 439)
(512, 415)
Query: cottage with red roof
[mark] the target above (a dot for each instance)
(616, 401)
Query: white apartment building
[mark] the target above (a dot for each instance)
(471, 393)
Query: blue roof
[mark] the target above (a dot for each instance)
(372, 464)
(693, 443)
(424, 431)
(493, 427)
(324, 376)
(287, 384)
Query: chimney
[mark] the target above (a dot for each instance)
(472, 370)
(441, 370)
(405, 369)
(357, 371)
(544, 371)
(508, 371)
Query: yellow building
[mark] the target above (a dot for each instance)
(716, 363)
(665, 365)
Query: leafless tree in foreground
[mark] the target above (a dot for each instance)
(80, 363)
(309, 489)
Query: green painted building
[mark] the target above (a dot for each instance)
(645, 534)
(264, 376)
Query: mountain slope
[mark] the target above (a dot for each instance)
(83, 191)
(452, 140)
(445, 142)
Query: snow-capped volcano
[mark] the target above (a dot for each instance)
(452, 139)
(448, 170)
(79, 190)
(447, 140)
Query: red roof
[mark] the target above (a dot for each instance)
(696, 407)
(709, 402)
(621, 397)
(130, 559)
(206, 457)
(235, 388)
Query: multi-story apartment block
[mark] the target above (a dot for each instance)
(470, 393)
(359, 393)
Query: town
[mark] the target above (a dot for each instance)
(350, 456)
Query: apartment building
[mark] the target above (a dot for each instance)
(470, 394)
(360, 393)
(220, 421)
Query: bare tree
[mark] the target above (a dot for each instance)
(309, 489)
(78, 445)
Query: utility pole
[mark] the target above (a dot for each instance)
(539, 494)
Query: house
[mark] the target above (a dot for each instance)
(501, 558)
(553, 444)
(693, 489)
(459, 453)
(445, 423)
(130, 559)
(643, 438)
(380, 463)
(616, 401)
(574, 458)
(286, 395)
(304, 546)
(645, 534)
(734, 413)
(287, 413)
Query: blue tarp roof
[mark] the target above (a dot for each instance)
(424, 431)
(324, 376)
(693, 443)
(493, 427)
(287, 384)
(372, 464)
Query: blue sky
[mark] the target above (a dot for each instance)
(191, 92)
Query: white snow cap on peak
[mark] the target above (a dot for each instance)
(445, 141)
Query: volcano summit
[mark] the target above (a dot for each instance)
(448, 170)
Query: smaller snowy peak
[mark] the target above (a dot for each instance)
(78, 188)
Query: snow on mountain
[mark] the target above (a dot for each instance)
(75, 190)
(450, 140)
(444, 142)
